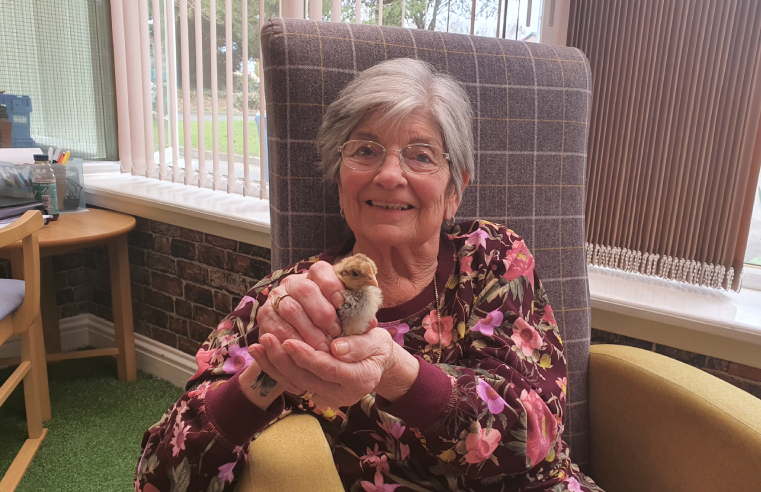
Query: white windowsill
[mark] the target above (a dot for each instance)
(720, 324)
(233, 216)
(725, 325)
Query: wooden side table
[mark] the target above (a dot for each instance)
(71, 232)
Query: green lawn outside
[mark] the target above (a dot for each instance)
(253, 136)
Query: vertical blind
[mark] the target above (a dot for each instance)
(675, 140)
(166, 58)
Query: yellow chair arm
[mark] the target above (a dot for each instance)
(657, 424)
(292, 454)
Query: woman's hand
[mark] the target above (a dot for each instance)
(357, 366)
(307, 307)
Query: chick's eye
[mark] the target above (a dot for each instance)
(354, 273)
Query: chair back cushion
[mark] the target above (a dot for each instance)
(11, 296)
(531, 104)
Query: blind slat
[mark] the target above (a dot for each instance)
(158, 56)
(675, 129)
(200, 95)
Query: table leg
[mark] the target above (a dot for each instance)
(36, 343)
(49, 307)
(121, 298)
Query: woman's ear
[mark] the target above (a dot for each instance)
(454, 200)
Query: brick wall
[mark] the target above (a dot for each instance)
(744, 377)
(185, 281)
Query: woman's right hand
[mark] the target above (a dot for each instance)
(307, 307)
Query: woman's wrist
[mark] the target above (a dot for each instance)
(399, 375)
(259, 392)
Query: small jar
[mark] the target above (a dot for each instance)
(43, 184)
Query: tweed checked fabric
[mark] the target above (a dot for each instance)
(531, 104)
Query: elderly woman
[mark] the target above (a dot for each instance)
(460, 382)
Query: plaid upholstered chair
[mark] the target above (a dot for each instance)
(531, 104)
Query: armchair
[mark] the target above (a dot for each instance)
(532, 105)
(20, 314)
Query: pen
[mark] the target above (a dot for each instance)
(50, 153)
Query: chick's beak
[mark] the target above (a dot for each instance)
(372, 280)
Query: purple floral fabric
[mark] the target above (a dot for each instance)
(488, 417)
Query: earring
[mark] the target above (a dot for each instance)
(341, 213)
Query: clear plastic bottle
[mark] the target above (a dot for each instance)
(43, 184)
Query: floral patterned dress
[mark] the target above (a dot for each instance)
(487, 417)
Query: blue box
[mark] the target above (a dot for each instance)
(19, 110)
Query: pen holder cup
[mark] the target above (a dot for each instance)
(69, 179)
(15, 181)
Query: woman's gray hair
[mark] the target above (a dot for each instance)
(396, 88)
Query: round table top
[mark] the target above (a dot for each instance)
(82, 228)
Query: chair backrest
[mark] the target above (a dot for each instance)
(532, 105)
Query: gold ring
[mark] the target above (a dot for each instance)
(277, 303)
(306, 396)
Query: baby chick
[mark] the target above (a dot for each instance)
(362, 297)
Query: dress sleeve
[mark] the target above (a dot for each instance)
(495, 404)
(201, 442)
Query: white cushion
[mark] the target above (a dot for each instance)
(11, 296)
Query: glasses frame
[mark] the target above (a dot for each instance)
(403, 164)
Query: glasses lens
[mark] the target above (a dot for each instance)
(421, 158)
(362, 154)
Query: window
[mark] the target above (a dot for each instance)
(57, 76)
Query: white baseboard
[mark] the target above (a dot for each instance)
(151, 357)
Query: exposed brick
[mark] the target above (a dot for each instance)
(161, 263)
(222, 302)
(167, 284)
(63, 296)
(198, 332)
(260, 268)
(78, 276)
(254, 251)
(237, 263)
(137, 291)
(184, 249)
(192, 272)
(165, 229)
(191, 235)
(222, 242)
(67, 262)
(183, 308)
(140, 275)
(206, 316)
(187, 345)
(101, 279)
(211, 256)
(103, 312)
(164, 336)
(234, 284)
(162, 244)
(59, 279)
(199, 295)
(690, 358)
(178, 325)
(158, 300)
(73, 309)
(101, 297)
(140, 239)
(599, 336)
(150, 314)
(141, 327)
(136, 256)
(746, 372)
(717, 364)
(142, 224)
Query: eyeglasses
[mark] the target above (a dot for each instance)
(365, 155)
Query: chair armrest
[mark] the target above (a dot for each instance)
(291, 454)
(657, 424)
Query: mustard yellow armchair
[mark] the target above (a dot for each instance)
(656, 425)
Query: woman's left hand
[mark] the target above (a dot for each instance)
(358, 365)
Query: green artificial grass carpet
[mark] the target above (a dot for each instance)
(93, 440)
